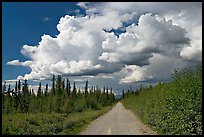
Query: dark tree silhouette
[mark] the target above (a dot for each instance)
(86, 87)
(74, 89)
(25, 87)
(19, 85)
(53, 84)
(39, 90)
(16, 86)
(46, 89)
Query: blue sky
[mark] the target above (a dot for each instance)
(22, 23)
(68, 38)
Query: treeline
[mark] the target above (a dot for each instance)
(61, 98)
(173, 108)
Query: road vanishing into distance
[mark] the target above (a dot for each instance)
(117, 121)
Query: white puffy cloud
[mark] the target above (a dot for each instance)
(14, 62)
(136, 46)
(191, 20)
(75, 50)
(160, 69)
(134, 74)
(18, 63)
(158, 37)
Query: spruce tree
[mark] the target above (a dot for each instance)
(68, 90)
(123, 94)
(16, 86)
(59, 84)
(86, 87)
(25, 100)
(79, 91)
(19, 85)
(74, 89)
(32, 92)
(9, 90)
(53, 84)
(63, 85)
(4, 87)
(46, 89)
(104, 89)
(39, 90)
(25, 87)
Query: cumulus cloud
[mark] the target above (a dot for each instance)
(161, 68)
(75, 50)
(156, 38)
(191, 20)
(136, 46)
(135, 73)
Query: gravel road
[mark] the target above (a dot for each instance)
(117, 121)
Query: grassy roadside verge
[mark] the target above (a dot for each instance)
(49, 124)
(173, 108)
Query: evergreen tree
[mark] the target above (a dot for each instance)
(32, 92)
(3, 98)
(16, 86)
(46, 89)
(25, 99)
(74, 89)
(86, 87)
(111, 95)
(68, 87)
(79, 91)
(63, 85)
(59, 84)
(39, 90)
(123, 94)
(9, 89)
(4, 87)
(25, 87)
(92, 89)
(19, 85)
(107, 95)
(53, 84)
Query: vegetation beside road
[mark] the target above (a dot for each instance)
(49, 123)
(61, 110)
(173, 108)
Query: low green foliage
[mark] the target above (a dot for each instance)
(173, 108)
(48, 123)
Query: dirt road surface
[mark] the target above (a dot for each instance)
(117, 121)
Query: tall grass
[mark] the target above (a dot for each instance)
(173, 108)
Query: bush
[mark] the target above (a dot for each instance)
(171, 108)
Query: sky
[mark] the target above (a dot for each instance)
(114, 44)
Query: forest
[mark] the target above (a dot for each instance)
(62, 99)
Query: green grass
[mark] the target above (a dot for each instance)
(49, 123)
(173, 108)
